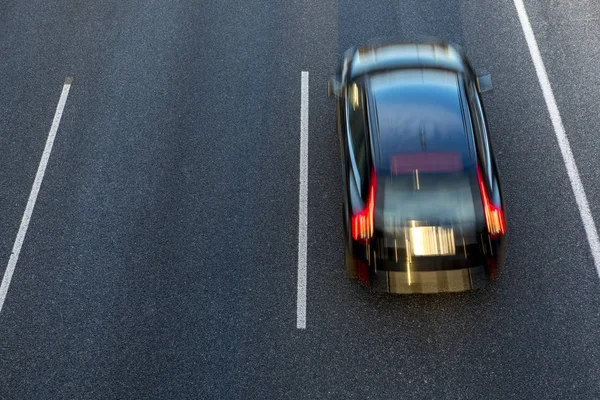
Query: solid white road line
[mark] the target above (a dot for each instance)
(303, 205)
(559, 130)
(39, 176)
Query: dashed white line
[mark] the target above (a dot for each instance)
(39, 176)
(563, 142)
(303, 205)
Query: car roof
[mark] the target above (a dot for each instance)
(419, 113)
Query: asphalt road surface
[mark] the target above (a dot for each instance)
(161, 257)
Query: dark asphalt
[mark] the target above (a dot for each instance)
(160, 261)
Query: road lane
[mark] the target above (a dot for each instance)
(561, 137)
(534, 333)
(161, 262)
(568, 36)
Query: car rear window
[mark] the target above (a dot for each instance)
(433, 198)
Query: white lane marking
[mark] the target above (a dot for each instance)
(563, 141)
(303, 205)
(39, 176)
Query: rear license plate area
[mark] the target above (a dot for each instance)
(431, 241)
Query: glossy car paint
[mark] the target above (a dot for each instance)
(445, 88)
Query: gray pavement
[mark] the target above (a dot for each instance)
(160, 261)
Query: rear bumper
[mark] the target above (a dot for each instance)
(455, 280)
(429, 275)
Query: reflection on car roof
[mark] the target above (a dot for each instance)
(418, 110)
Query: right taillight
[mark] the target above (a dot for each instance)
(494, 217)
(362, 222)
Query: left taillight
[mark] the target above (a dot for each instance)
(362, 222)
(494, 216)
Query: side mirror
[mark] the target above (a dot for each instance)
(334, 87)
(484, 81)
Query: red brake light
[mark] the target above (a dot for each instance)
(494, 217)
(362, 222)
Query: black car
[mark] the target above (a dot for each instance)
(422, 207)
